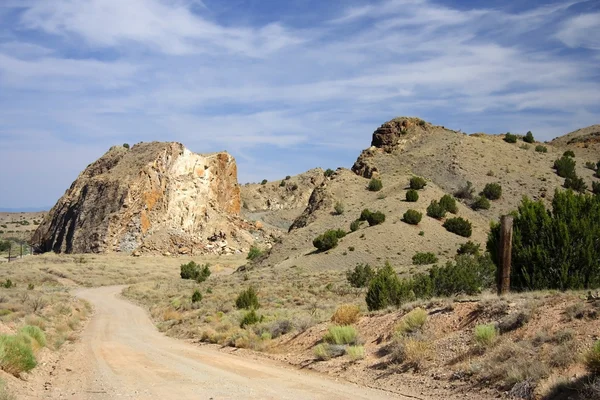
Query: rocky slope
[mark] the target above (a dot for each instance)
(155, 196)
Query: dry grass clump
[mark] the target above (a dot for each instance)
(412, 322)
(411, 352)
(338, 334)
(346, 314)
(486, 335)
(592, 359)
(356, 352)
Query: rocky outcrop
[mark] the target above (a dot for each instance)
(319, 199)
(158, 197)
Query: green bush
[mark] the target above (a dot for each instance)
(469, 248)
(486, 335)
(287, 177)
(528, 138)
(191, 270)
(328, 172)
(354, 225)
(7, 284)
(196, 296)
(264, 182)
(492, 191)
(34, 333)
(424, 258)
(364, 215)
(412, 217)
(248, 299)
(416, 183)
(596, 187)
(510, 138)
(435, 210)
(328, 240)
(375, 185)
(412, 195)
(569, 153)
(250, 318)
(360, 276)
(576, 183)
(16, 354)
(254, 253)
(341, 334)
(590, 165)
(412, 322)
(449, 204)
(592, 359)
(4, 245)
(376, 218)
(386, 289)
(467, 275)
(126, 145)
(565, 167)
(338, 208)
(541, 149)
(465, 192)
(481, 203)
(282, 184)
(459, 226)
(356, 352)
(555, 249)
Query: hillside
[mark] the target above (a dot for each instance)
(447, 159)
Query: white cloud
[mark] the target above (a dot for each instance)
(581, 31)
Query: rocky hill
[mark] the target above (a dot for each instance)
(447, 159)
(157, 197)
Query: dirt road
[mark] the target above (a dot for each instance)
(122, 355)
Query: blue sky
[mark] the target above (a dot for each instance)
(284, 86)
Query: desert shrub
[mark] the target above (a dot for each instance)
(321, 352)
(4, 244)
(412, 322)
(485, 335)
(524, 147)
(555, 249)
(575, 311)
(541, 149)
(364, 214)
(355, 225)
(248, 299)
(346, 314)
(282, 184)
(481, 203)
(435, 210)
(565, 167)
(280, 327)
(287, 177)
(596, 187)
(126, 145)
(250, 318)
(254, 253)
(412, 195)
(7, 284)
(465, 192)
(360, 276)
(264, 182)
(338, 334)
(575, 183)
(493, 191)
(528, 138)
(16, 354)
(356, 352)
(191, 270)
(328, 172)
(376, 218)
(510, 138)
(34, 333)
(469, 248)
(412, 217)
(466, 275)
(328, 240)
(417, 183)
(375, 185)
(410, 351)
(590, 165)
(338, 208)
(592, 359)
(449, 204)
(569, 153)
(424, 258)
(386, 289)
(196, 296)
(459, 226)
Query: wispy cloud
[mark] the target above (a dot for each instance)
(281, 96)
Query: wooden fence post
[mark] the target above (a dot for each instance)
(504, 254)
(9, 248)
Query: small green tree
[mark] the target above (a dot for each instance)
(247, 299)
(417, 183)
(449, 204)
(328, 172)
(481, 203)
(528, 138)
(250, 318)
(435, 210)
(492, 191)
(196, 296)
(569, 153)
(469, 247)
(412, 217)
(376, 218)
(510, 138)
(596, 187)
(541, 149)
(424, 258)
(264, 182)
(375, 185)
(412, 195)
(254, 253)
(565, 167)
(194, 271)
(576, 183)
(126, 145)
(364, 215)
(328, 240)
(360, 276)
(386, 289)
(459, 226)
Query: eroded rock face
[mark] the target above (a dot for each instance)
(157, 197)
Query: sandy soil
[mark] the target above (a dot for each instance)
(122, 355)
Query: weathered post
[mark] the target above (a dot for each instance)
(505, 253)
(21, 250)
(9, 248)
